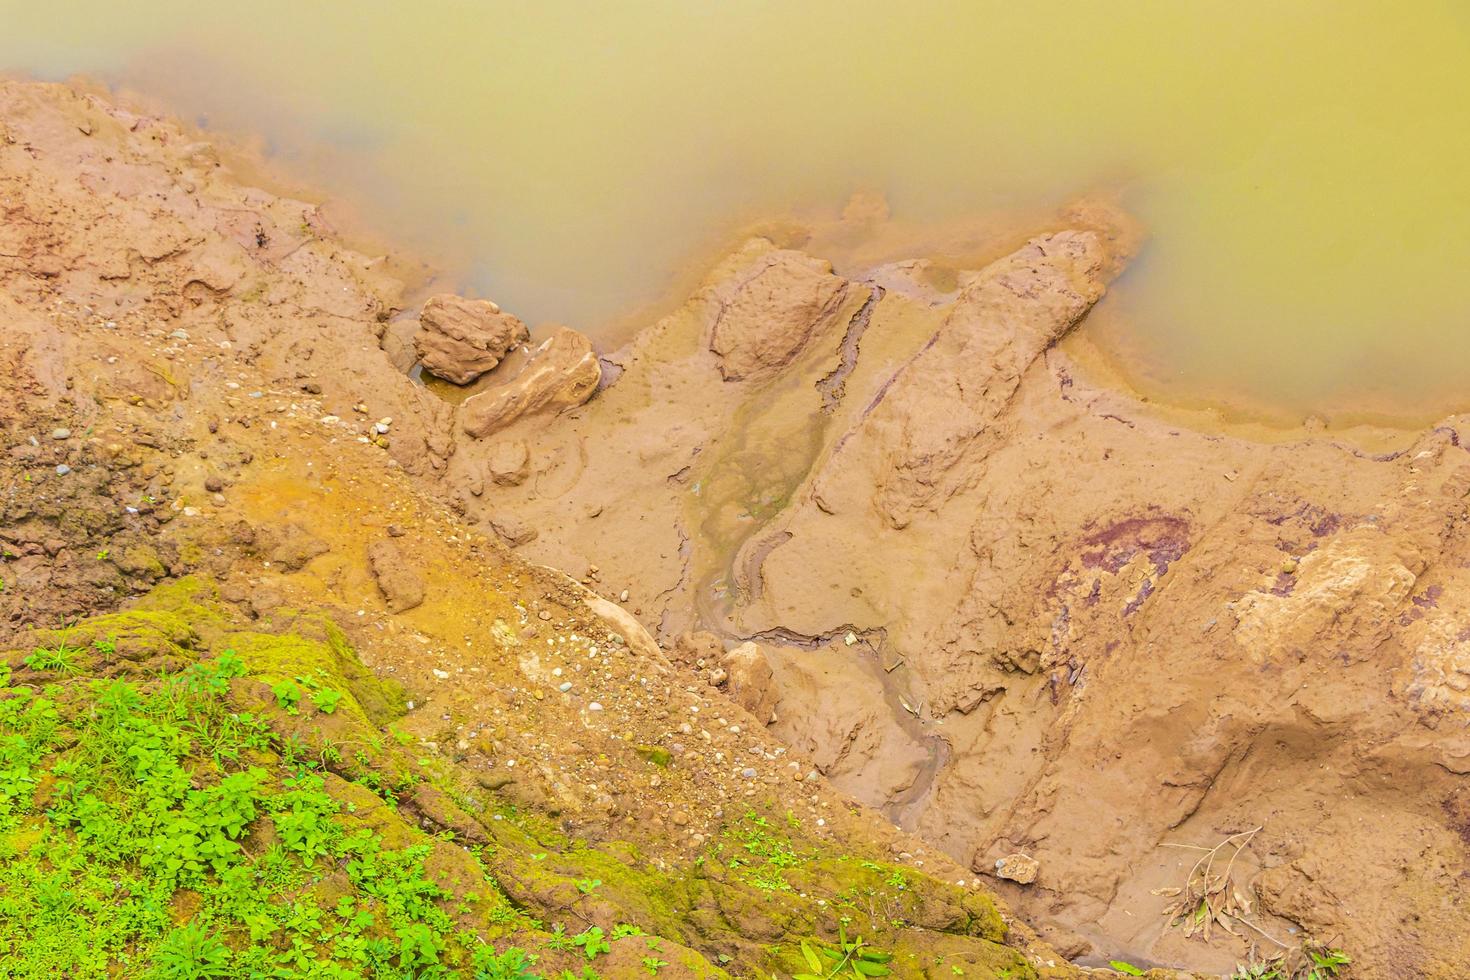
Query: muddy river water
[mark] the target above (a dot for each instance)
(1300, 168)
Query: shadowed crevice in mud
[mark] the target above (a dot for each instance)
(832, 387)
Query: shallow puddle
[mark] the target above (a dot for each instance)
(1300, 167)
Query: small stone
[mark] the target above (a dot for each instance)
(544, 616)
(213, 484)
(564, 686)
(748, 773)
(380, 429)
(594, 706)
(63, 470)
(60, 434)
(623, 596)
(180, 335)
(718, 676)
(681, 819)
(443, 675)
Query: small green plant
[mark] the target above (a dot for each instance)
(513, 964)
(849, 958)
(1125, 968)
(588, 885)
(653, 964)
(287, 694)
(191, 952)
(1311, 962)
(326, 700)
(1326, 962)
(592, 942)
(103, 554)
(60, 659)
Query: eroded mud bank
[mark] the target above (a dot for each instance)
(203, 430)
(1020, 612)
(1015, 611)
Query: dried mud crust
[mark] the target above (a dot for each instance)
(207, 449)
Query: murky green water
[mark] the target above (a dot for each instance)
(1302, 167)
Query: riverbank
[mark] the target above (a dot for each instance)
(864, 537)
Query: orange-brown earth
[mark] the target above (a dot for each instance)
(869, 533)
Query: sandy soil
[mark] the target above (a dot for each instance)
(1009, 608)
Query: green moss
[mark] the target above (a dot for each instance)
(660, 757)
(349, 849)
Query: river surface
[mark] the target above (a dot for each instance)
(1303, 169)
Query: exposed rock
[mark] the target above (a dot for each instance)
(509, 463)
(292, 547)
(1347, 590)
(460, 339)
(401, 585)
(562, 373)
(1018, 867)
(512, 530)
(141, 560)
(748, 681)
(398, 344)
(768, 314)
(625, 625)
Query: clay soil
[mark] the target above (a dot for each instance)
(1001, 612)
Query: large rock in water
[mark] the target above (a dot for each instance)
(460, 339)
(562, 373)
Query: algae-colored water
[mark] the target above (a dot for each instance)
(1301, 168)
